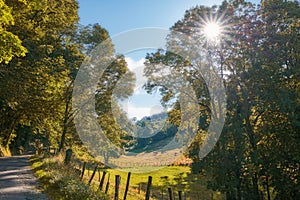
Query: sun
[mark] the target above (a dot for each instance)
(212, 31)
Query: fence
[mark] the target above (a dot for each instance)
(88, 172)
(105, 187)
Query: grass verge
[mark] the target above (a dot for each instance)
(62, 182)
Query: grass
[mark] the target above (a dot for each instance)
(138, 178)
(4, 151)
(62, 182)
(42, 172)
(176, 177)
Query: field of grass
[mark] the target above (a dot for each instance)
(175, 177)
(58, 180)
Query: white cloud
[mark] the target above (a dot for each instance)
(140, 104)
(137, 67)
(140, 112)
(132, 64)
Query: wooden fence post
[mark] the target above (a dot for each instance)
(99, 175)
(102, 181)
(180, 195)
(148, 187)
(171, 196)
(127, 185)
(107, 185)
(140, 188)
(93, 174)
(83, 169)
(117, 186)
(68, 156)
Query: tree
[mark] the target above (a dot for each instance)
(260, 51)
(10, 44)
(102, 80)
(36, 90)
(33, 86)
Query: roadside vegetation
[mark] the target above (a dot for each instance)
(62, 182)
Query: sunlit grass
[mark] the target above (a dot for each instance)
(137, 178)
(176, 177)
(53, 175)
(62, 182)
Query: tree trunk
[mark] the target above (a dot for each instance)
(255, 187)
(268, 189)
(254, 157)
(238, 187)
(65, 123)
(9, 137)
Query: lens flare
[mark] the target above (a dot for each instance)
(212, 31)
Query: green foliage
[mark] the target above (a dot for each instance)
(36, 89)
(33, 88)
(63, 182)
(257, 152)
(10, 44)
(114, 82)
(75, 189)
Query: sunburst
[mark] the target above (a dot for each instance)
(212, 31)
(214, 27)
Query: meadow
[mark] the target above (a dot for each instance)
(62, 181)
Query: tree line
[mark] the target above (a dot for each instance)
(257, 57)
(42, 48)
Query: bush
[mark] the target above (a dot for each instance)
(4, 151)
(63, 182)
(76, 190)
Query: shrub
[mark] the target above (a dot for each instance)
(62, 182)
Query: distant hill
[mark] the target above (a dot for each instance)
(152, 132)
(155, 117)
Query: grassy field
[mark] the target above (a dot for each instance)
(61, 181)
(175, 177)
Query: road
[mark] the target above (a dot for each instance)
(17, 181)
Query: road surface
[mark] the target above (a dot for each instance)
(17, 181)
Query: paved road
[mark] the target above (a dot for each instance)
(17, 181)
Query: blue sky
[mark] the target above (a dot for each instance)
(118, 16)
(121, 15)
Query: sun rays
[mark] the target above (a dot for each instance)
(214, 27)
(212, 31)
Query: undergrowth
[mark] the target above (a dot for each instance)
(62, 182)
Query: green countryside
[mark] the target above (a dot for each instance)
(234, 134)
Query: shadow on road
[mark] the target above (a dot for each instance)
(17, 181)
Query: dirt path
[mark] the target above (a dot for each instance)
(17, 181)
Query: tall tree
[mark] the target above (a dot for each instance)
(104, 78)
(260, 52)
(33, 86)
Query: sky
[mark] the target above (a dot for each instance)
(119, 16)
(122, 15)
